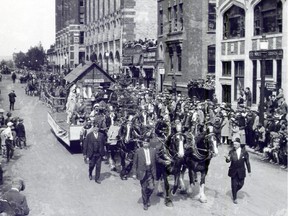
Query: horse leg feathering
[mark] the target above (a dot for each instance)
(203, 198)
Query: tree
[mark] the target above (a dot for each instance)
(20, 60)
(36, 57)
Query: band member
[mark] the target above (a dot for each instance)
(93, 149)
(238, 157)
(144, 169)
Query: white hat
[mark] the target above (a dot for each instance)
(9, 124)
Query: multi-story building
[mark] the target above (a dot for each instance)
(112, 23)
(240, 27)
(186, 41)
(69, 46)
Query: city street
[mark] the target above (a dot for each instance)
(57, 181)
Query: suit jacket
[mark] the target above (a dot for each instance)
(92, 146)
(17, 201)
(238, 166)
(139, 163)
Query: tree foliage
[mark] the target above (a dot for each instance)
(34, 59)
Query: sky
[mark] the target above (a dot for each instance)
(25, 23)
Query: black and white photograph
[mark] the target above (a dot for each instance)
(143, 107)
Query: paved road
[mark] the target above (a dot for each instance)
(57, 181)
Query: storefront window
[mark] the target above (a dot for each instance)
(226, 68)
(239, 78)
(234, 23)
(268, 17)
(269, 68)
(226, 93)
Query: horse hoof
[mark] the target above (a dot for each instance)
(203, 200)
(169, 203)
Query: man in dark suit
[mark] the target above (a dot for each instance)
(144, 168)
(238, 157)
(12, 100)
(16, 202)
(93, 149)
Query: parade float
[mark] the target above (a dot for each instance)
(82, 84)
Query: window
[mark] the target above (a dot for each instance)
(226, 68)
(239, 68)
(181, 16)
(234, 23)
(175, 11)
(211, 17)
(226, 93)
(239, 78)
(269, 68)
(211, 59)
(268, 17)
(179, 57)
(81, 3)
(161, 22)
(81, 18)
(170, 19)
(81, 41)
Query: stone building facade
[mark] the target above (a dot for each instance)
(186, 41)
(240, 27)
(69, 39)
(112, 23)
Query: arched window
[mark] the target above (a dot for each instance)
(268, 17)
(234, 23)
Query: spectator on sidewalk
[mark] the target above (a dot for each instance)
(248, 97)
(9, 141)
(17, 203)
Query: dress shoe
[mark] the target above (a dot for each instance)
(235, 201)
(148, 204)
(145, 207)
(98, 182)
(90, 177)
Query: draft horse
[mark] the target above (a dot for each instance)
(128, 143)
(197, 159)
(170, 162)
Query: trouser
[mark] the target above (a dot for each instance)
(9, 149)
(12, 105)
(147, 186)
(22, 142)
(236, 184)
(95, 161)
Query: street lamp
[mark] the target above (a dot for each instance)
(263, 49)
(107, 58)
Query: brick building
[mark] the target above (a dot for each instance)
(240, 26)
(112, 23)
(186, 41)
(69, 45)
